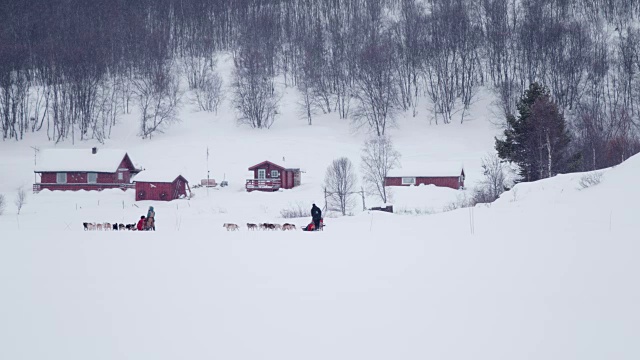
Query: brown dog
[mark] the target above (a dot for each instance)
(252, 227)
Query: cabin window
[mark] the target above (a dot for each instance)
(275, 174)
(408, 181)
(262, 174)
(92, 178)
(61, 178)
(120, 176)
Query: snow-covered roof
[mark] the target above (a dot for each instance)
(428, 170)
(286, 166)
(80, 160)
(156, 175)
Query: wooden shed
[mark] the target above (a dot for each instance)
(451, 176)
(268, 176)
(84, 169)
(160, 187)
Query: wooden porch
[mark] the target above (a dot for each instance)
(263, 184)
(37, 187)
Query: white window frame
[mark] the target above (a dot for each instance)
(60, 179)
(408, 181)
(95, 179)
(120, 176)
(275, 174)
(262, 174)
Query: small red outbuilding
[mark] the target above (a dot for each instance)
(268, 176)
(451, 176)
(159, 187)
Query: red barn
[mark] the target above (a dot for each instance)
(84, 169)
(160, 187)
(268, 176)
(444, 176)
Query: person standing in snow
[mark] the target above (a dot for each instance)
(151, 219)
(316, 215)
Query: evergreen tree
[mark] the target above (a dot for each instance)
(537, 139)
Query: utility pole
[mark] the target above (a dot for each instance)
(35, 161)
(325, 199)
(207, 171)
(35, 154)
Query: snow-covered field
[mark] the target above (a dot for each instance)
(549, 271)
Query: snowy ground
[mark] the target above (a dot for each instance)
(549, 273)
(546, 272)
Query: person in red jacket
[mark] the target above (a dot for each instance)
(141, 223)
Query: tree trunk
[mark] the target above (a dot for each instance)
(549, 155)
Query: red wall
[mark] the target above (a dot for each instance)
(287, 177)
(125, 164)
(81, 178)
(178, 188)
(74, 178)
(450, 182)
(152, 192)
(78, 181)
(172, 190)
(268, 167)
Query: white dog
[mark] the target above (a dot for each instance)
(231, 227)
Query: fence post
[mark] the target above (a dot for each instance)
(472, 221)
(364, 206)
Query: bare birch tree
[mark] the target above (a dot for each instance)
(21, 199)
(378, 158)
(159, 98)
(340, 184)
(375, 88)
(494, 181)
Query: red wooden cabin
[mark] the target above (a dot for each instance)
(84, 169)
(268, 176)
(451, 177)
(159, 187)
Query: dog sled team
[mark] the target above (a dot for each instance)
(316, 224)
(146, 223)
(263, 226)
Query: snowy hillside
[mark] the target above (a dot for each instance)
(290, 142)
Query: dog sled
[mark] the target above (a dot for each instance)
(312, 226)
